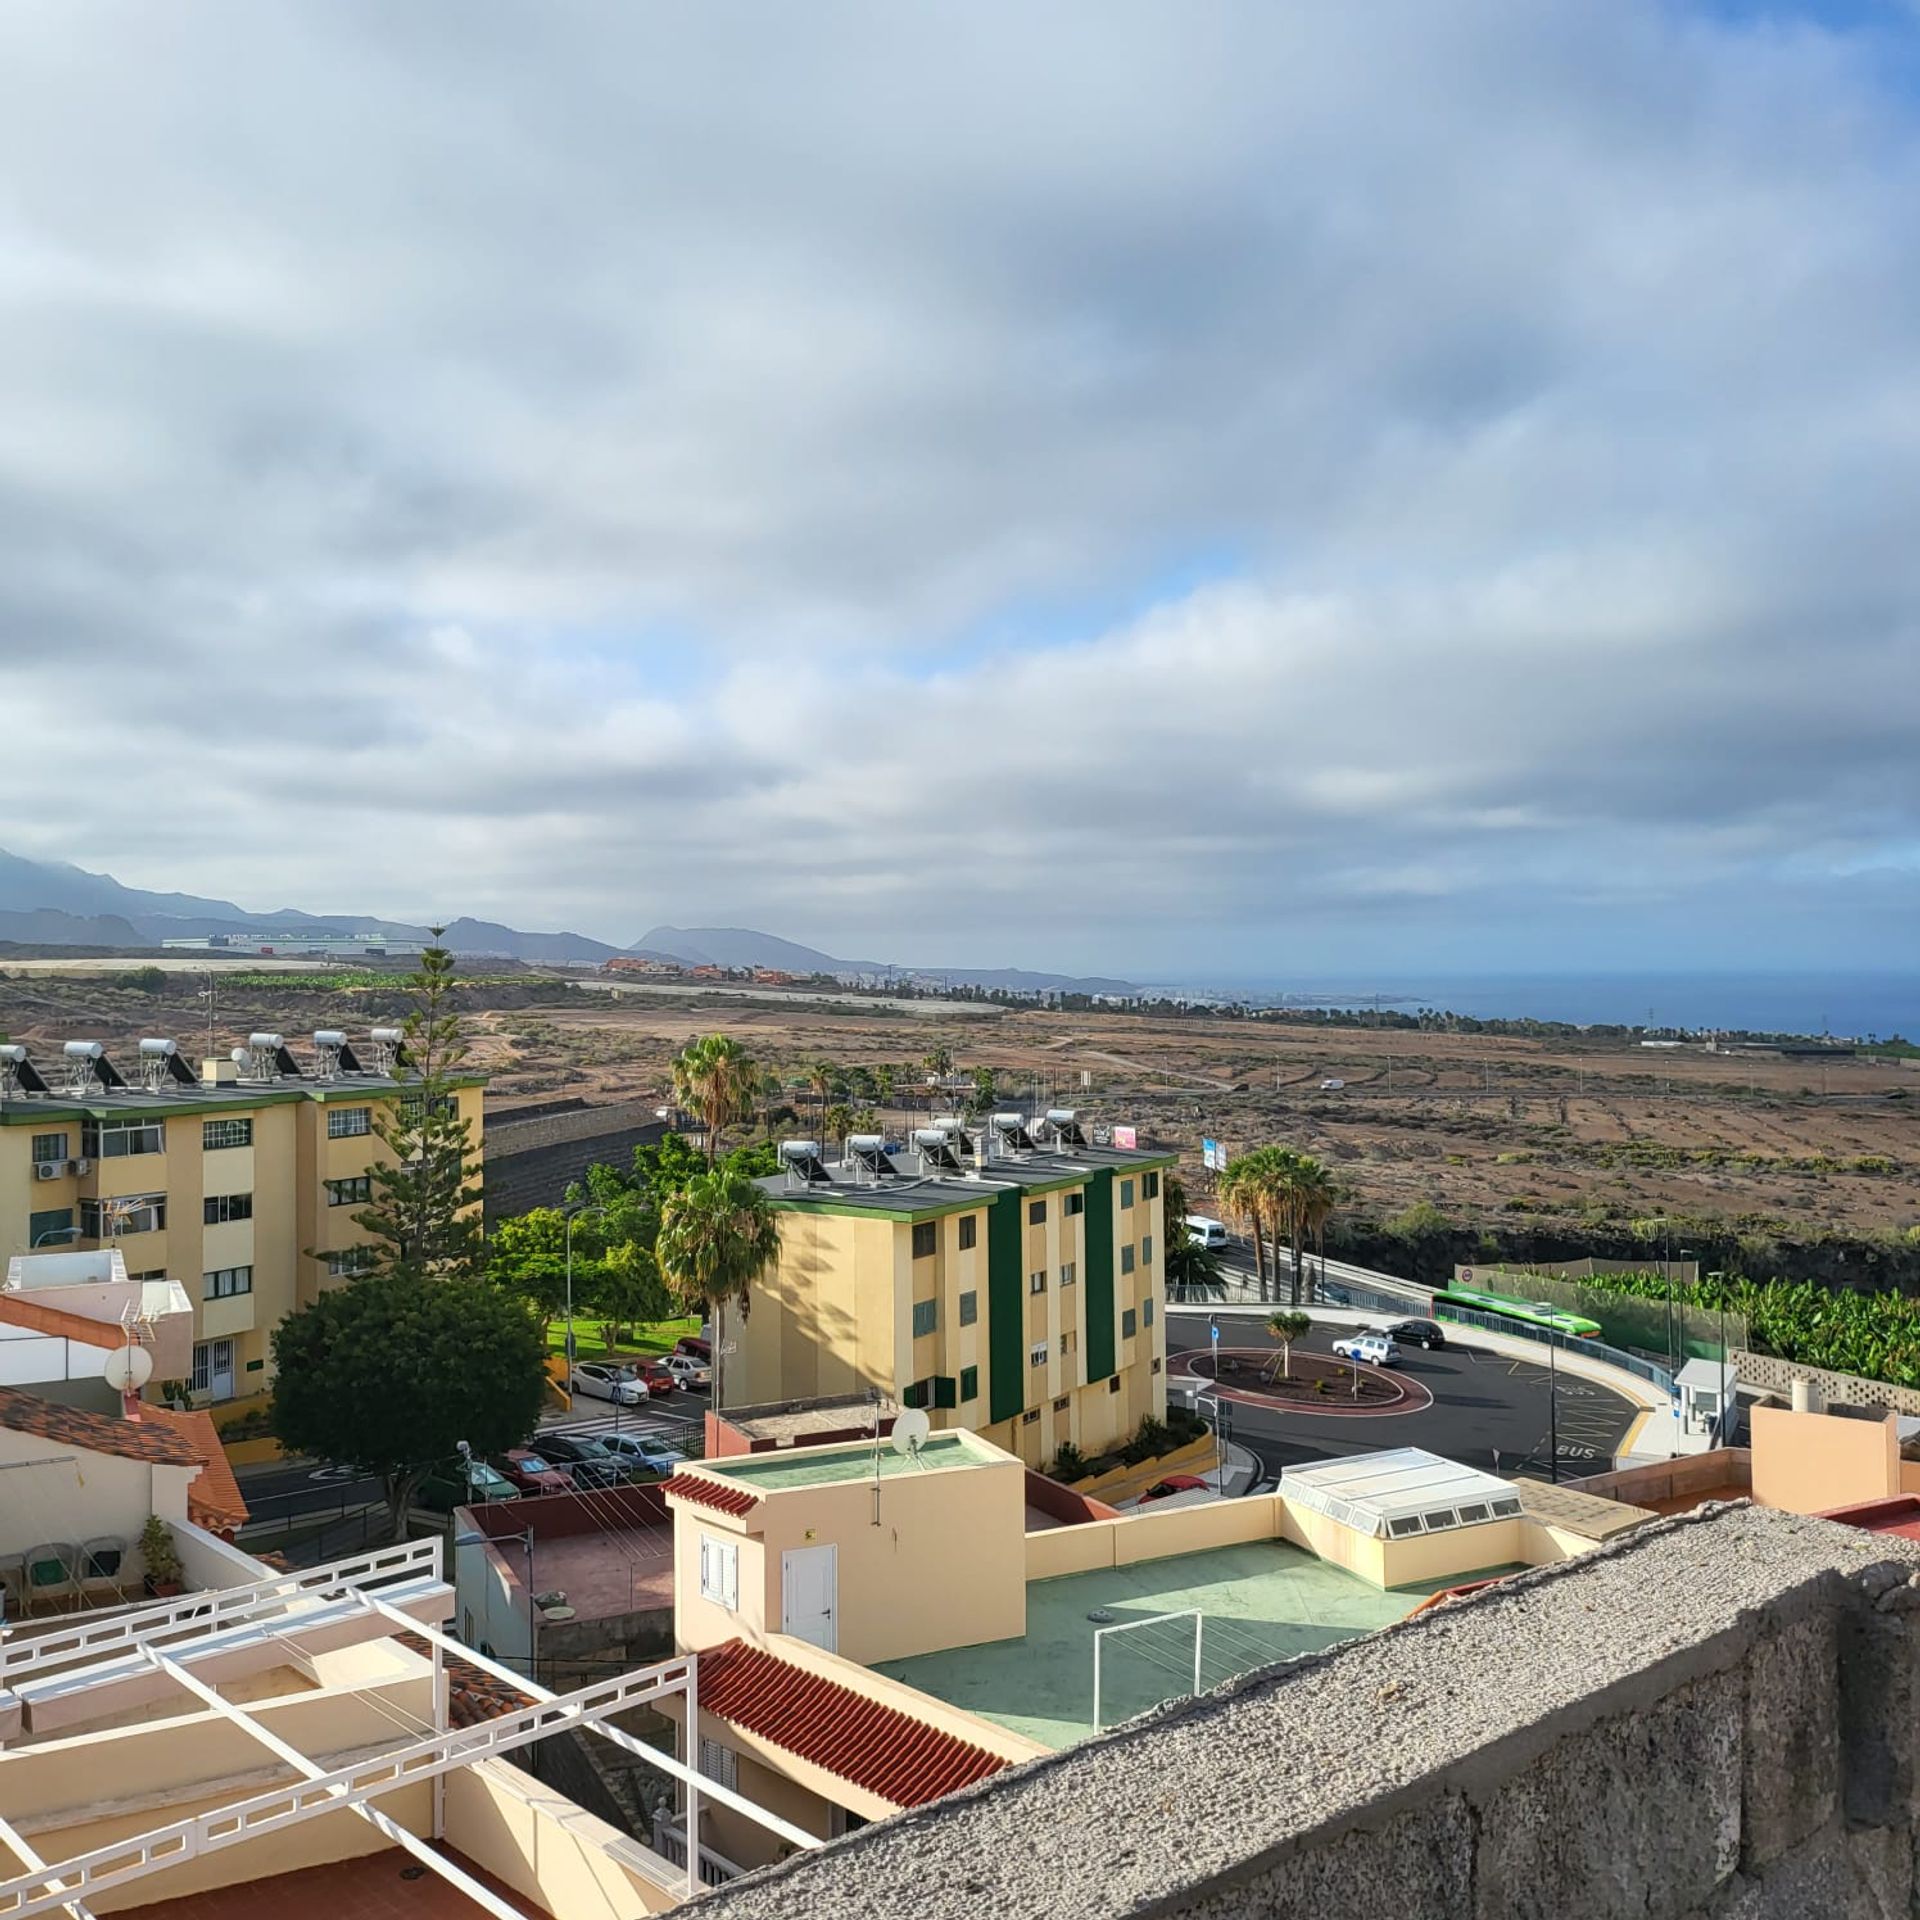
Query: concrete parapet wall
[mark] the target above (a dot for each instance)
(1715, 1717)
(1770, 1374)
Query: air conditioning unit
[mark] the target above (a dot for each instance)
(79, 1166)
(48, 1169)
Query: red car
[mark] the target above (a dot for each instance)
(1175, 1483)
(658, 1376)
(531, 1472)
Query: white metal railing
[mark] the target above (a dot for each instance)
(198, 1613)
(670, 1842)
(1128, 1626)
(243, 1821)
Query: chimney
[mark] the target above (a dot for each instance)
(219, 1073)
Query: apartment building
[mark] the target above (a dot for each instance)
(1005, 1279)
(240, 1184)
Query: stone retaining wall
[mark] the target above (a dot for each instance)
(531, 1162)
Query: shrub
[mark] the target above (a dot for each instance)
(1069, 1463)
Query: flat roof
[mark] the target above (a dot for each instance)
(1260, 1603)
(857, 1460)
(1406, 1489)
(912, 1191)
(30, 1109)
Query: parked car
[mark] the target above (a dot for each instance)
(689, 1371)
(1418, 1333)
(660, 1377)
(1175, 1483)
(1372, 1349)
(642, 1451)
(468, 1483)
(591, 1476)
(695, 1347)
(530, 1472)
(602, 1382)
(563, 1449)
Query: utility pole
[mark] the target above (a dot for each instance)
(1553, 1407)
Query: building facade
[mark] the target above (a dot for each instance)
(242, 1186)
(1006, 1282)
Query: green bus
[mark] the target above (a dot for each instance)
(1535, 1313)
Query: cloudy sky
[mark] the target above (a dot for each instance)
(1157, 488)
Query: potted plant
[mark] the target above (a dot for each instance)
(162, 1558)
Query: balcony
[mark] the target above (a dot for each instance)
(670, 1843)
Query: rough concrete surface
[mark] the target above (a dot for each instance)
(1631, 1732)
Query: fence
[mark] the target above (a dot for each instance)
(1331, 1290)
(1626, 1319)
(308, 1528)
(1567, 1342)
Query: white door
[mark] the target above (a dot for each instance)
(213, 1369)
(809, 1577)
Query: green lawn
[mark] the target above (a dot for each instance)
(649, 1337)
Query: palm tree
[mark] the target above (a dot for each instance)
(821, 1075)
(1300, 1196)
(939, 1063)
(1242, 1198)
(837, 1122)
(716, 1078)
(1287, 1327)
(718, 1236)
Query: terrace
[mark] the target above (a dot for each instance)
(1262, 1601)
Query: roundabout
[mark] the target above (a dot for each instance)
(1482, 1407)
(1303, 1382)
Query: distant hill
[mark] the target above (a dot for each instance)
(49, 903)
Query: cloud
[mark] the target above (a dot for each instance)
(1086, 488)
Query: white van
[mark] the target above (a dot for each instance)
(1203, 1232)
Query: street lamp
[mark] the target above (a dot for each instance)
(576, 1214)
(54, 1233)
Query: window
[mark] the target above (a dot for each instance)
(1067, 1274)
(1060, 1405)
(225, 1282)
(720, 1763)
(1126, 1193)
(1400, 1528)
(720, 1571)
(1037, 1282)
(969, 1383)
(1030, 1416)
(1146, 1249)
(117, 1139)
(49, 1146)
(1149, 1186)
(54, 1227)
(1146, 1313)
(1036, 1212)
(1126, 1258)
(915, 1395)
(215, 1134)
(1037, 1354)
(969, 1308)
(923, 1239)
(1069, 1341)
(137, 1213)
(349, 1261)
(1155, 1368)
(213, 1368)
(926, 1317)
(1472, 1515)
(943, 1393)
(969, 1231)
(1129, 1324)
(350, 1193)
(1074, 1203)
(348, 1123)
(1113, 1383)
(153, 1273)
(218, 1208)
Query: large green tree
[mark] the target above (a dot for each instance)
(392, 1373)
(717, 1078)
(527, 1257)
(424, 1213)
(718, 1236)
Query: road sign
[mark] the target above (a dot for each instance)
(1213, 1156)
(1213, 1328)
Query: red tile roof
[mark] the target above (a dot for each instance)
(97, 1432)
(875, 1746)
(213, 1498)
(710, 1493)
(70, 1326)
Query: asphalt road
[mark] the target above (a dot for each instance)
(1482, 1401)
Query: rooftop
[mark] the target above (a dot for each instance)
(764, 1473)
(142, 1439)
(1590, 1515)
(1262, 1602)
(1403, 1491)
(378, 1886)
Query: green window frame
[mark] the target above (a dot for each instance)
(1036, 1213)
(1075, 1202)
(969, 1232)
(216, 1209)
(1126, 1257)
(1126, 1193)
(354, 1192)
(969, 1383)
(1129, 1323)
(926, 1318)
(969, 1307)
(925, 1238)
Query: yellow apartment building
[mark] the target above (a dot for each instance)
(1006, 1280)
(241, 1184)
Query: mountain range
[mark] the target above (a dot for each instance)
(49, 903)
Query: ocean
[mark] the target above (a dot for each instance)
(1847, 1006)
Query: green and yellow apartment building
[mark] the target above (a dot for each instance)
(1005, 1280)
(240, 1182)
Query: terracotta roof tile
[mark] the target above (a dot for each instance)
(863, 1740)
(97, 1432)
(710, 1493)
(71, 1326)
(213, 1499)
(473, 1694)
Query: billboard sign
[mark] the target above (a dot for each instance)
(1213, 1156)
(1126, 1137)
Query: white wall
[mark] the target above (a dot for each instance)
(80, 1495)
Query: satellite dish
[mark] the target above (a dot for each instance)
(127, 1369)
(910, 1431)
